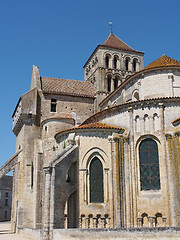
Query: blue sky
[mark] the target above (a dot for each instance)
(59, 36)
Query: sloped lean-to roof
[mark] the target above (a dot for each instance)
(67, 87)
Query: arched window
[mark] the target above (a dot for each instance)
(115, 61)
(149, 165)
(127, 64)
(135, 96)
(96, 181)
(134, 65)
(109, 83)
(107, 61)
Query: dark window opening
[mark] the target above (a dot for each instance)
(134, 65)
(5, 214)
(32, 175)
(127, 64)
(96, 181)
(149, 165)
(136, 95)
(115, 82)
(6, 202)
(53, 105)
(109, 83)
(7, 194)
(107, 61)
(115, 62)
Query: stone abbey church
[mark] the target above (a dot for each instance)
(99, 153)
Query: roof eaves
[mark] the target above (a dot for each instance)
(126, 50)
(69, 94)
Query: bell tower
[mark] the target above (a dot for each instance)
(110, 64)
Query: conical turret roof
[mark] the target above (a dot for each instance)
(163, 61)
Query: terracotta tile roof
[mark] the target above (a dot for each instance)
(163, 61)
(67, 87)
(114, 42)
(96, 125)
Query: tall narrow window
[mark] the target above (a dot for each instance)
(127, 64)
(116, 82)
(115, 62)
(6, 202)
(134, 64)
(109, 83)
(96, 181)
(149, 165)
(53, 105)
(5, 214)
(107, 61)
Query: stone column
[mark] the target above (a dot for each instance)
(128, 212)
(132, 170)
(46, 207)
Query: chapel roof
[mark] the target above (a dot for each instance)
(67, 87)
(163, 61)
(96, 125)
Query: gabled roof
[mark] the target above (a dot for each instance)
(114, 42)
(163, 61)
(96, 125)
(67, 87)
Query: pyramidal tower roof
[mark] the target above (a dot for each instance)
(114, 42)
(162, 62)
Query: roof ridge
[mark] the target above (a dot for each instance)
(63, 79)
